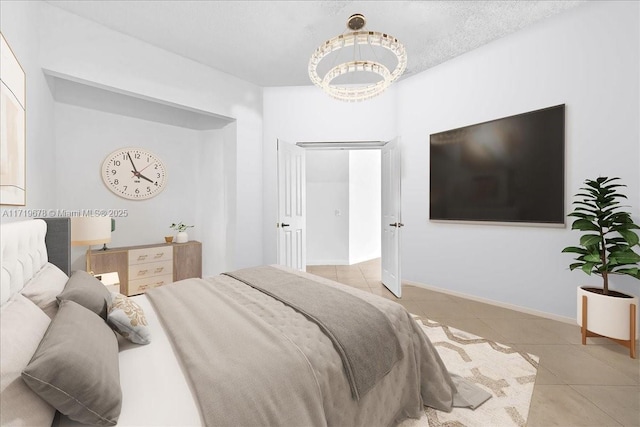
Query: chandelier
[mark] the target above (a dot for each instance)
(357, 79)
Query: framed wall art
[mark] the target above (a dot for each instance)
(12, 128)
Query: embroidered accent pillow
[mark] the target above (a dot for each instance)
(127, 318)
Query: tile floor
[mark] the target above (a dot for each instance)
(593, 385)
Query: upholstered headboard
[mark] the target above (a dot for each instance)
(24, 252)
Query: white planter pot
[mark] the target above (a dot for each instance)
(182, 237)
(606, 315)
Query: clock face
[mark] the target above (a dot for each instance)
(134, 173)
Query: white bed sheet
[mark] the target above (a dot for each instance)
(154, 390)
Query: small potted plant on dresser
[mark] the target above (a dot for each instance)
(181, 228)
(606, 247)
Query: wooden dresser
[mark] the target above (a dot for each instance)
(148, 266)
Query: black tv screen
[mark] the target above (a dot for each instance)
(505, 170)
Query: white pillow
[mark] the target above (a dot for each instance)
(23, 326)
(127, 318)
(44, 287)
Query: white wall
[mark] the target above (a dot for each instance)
(81, 50)
(328, 214)
(365, 208)
(195, 179)
(588, 59)
(296, 114)
(19, 25)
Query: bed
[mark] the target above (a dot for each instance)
(257, 359)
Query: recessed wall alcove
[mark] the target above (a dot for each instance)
(198, 148)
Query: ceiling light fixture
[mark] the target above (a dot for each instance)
(337, 81)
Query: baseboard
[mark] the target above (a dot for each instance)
(514, 307)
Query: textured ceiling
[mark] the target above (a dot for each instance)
(269, 42)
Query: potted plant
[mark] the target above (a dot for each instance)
(606, 247)
(181, 228)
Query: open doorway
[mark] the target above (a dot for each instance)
(343, 206)
(293, 208)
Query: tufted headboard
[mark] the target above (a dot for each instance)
(24, 252)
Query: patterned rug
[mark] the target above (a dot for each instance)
(507, 374)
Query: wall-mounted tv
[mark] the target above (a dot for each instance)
(506, 170)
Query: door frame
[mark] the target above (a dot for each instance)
(350, 145)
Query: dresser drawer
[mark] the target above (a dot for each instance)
(150, 269)
(158, 253)
(140, 286)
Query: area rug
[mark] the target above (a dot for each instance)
(507, 374)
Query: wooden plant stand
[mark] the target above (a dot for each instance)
(630, 343)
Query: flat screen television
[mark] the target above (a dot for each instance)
(509, 170)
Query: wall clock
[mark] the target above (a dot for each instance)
(134, 173)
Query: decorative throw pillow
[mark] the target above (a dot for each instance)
(127, 318)
(23, 325)
(43, 288)
(76, 367)
(84, 289)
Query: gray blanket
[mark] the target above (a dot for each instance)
(237, 372)
(362, 335)
(251, 360)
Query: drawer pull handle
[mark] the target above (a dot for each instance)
(159, 269)
(159, 255)
(142, 257)
(142, 272)
(143, 287)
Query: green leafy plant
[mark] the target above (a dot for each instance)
(607, 245)
(180, 227)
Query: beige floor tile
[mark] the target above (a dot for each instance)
(347, 268)
(371, 273)
(489, 311)
(375, 263)
(574, 366)
(545, 377)
(358, 282)
(356, 274)
(327, 275)
(617, 357)
(569, 332)
(560, 405)
(525, 331)
(621, 403)
(437, 309)
(414, 292)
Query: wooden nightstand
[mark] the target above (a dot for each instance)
(144, 267)
(110, 280)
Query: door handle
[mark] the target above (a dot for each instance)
(284, 225)
(397, 224)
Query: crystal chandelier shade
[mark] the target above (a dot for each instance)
(357, 41)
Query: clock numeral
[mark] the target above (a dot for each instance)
(125, 188)
(116, 162)
(137, 191)
(148, 189)
(115, 181)
(137, 156)
(113, 171)
(158, 175)
(156, 166)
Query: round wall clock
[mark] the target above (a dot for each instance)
(134, 173)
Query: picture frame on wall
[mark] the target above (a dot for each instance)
(12, 128)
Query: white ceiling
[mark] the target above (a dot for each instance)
(269, 42)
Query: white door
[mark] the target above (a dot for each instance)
(391, 217)
(292, 251)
